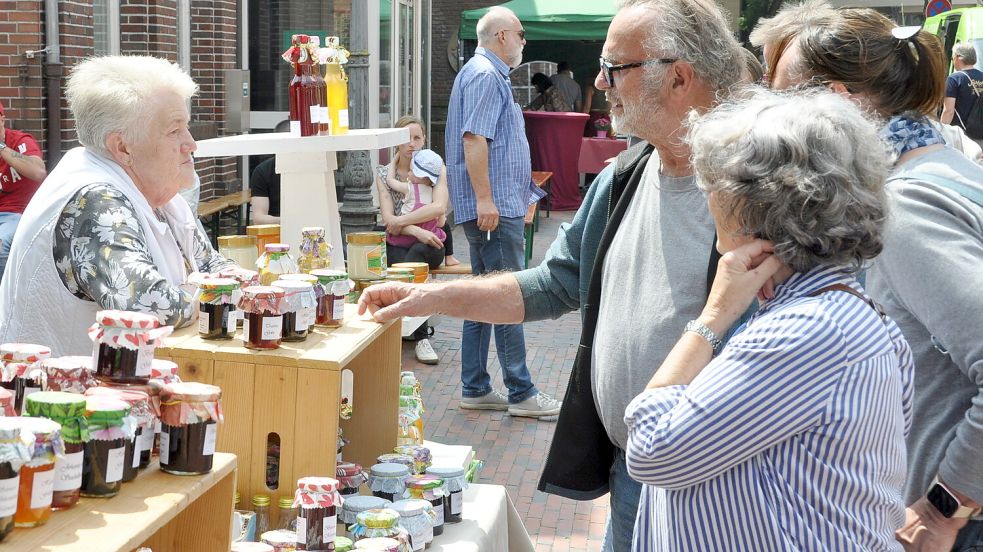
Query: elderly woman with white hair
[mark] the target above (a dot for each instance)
(107, 229)
(790, 437)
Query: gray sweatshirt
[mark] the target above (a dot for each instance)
(929, 279)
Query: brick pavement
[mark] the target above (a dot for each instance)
(513, 449)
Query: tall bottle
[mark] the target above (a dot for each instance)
(324, 123)
(304, 107)
(337, 85)
(293, 56)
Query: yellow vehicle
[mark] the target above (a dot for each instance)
(958, 25)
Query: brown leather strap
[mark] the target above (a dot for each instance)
(847, 289)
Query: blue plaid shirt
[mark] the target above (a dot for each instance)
(481, 103)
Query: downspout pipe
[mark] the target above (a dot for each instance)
(53, 71)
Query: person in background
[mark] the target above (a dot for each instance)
(795, 184)
(107, 229)
(264, 187)
(21, 172)
(931, 270)
(549, 98)
(419, 190)
(962, 88)
(563, 81)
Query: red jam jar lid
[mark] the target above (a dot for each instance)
(263, 292)
(130, 396)
(24, 352)
(190, 391)
(347, 469)
(127, 319)
(317, 484)
(160, 368)
(277, 247)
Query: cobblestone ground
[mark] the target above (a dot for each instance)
(513, 449)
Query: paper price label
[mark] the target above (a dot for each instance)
(295, 128)
(114, 467)
(68, 472)
(209, 448)
(329, 529)
(300, 321)
(301, 529)
(44, 485)
(245, 329)
(439, 510)
(325, 117)
(315, 114)
(165, 448)
(310, 315)
(135, 463)
(231, 320)
(338, 310)
(457, 503)
(8, 495)
(145, 354)
(342, 117)
(272, 327)
(203, 320)
(146, 441)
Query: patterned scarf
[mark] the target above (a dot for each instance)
(907, 132)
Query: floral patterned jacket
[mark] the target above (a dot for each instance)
(101, 255)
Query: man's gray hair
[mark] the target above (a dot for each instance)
(965, 51)
(805, 171)
(695, 31)
(110, 94)
(492, 23)
(789, 20)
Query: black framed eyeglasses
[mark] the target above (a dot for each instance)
(520, 32)
(608, 69)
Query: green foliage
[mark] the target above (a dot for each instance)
(752, 11)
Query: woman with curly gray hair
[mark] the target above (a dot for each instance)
(794, 431)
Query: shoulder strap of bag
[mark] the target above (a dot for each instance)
(969, 193)
(847, 289)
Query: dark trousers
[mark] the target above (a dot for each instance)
(417, 253)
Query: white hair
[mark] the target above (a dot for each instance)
(110, 94)
(789, 20)
(965, 51)
(694, 31)
(492, 23)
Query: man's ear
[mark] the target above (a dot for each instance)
(681, 77)
(118, 149)
(839, 88)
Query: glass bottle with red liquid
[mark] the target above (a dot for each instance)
(303, 94)
(323, 119)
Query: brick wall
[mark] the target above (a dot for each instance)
(22, 30)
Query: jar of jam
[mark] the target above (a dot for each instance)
(105, 453)
(162, 372)
(190, 413)
(37, 476)
(377, 523)
(6, 403)
(378, 544)
(282, 540)
(298, 306)
(331, 307)
(416, 517)
(359, 503)
(428, 487)
(262, 327)
(420, 455)
(350, 478)
(137, 451)
(68, 409)
(397, 458)
(315, 253)
(16, 445)
(217, 313)
(367, 254)
(317, 519)
(455, 483)
(388, 480)
(276, 260)
(245, 277)
(124, 343)
(22, 369)
(70, 374)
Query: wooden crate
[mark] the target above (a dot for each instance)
(295, 392)
(161, 511)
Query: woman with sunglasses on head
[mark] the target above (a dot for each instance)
(930, 273)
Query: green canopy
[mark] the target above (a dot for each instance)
(552, 19)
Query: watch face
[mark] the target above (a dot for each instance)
(944, 502)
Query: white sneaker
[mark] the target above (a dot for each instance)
(536, 406)
(425, 352)
(492, 401)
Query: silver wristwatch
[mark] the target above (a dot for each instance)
(698, 327)
(2, 146)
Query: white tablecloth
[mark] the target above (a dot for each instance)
(490, 524)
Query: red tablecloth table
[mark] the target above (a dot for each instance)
(554, 143)
(594, 153)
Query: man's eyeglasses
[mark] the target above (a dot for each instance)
(608, 69)
(520, 32)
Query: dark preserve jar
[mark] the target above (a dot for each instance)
(190, 413)
(138, 398)
(317, 518)
(22, 369)
(455, 482)
(13, 453)
(262, 326)
(105, 452)
(124, 345)
(217, 314)
(429, 487)
(68, 409)
(350, 478)
(298, 307)
(71, 374)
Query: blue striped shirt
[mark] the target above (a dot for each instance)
(791, 439)
(481, 103)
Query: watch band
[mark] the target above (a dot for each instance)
(960, 511)
(699, 328)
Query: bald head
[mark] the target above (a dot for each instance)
(493, 22)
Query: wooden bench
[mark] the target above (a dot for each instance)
(456, 270)
(231, 205)
(544, 181)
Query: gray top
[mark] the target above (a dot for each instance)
(929, 279)
(654, 282)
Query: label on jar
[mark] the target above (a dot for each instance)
(146, 441)
(338, 310)
(245, 328)
(419, 540)
(375, 260)
(203, 320)
(68, 472)
(329, 529)
(300, 321)
(301, 529)
(457, 503)
(44, 485)
(114, 465)
(343, 118)
(315, 113)
(439, 510)
(136, 453)
(8, 495)
(165, 447)
(209, 448)
(145, 355)
(272, 327)
(231, 320)
(310, 315)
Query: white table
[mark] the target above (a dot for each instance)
(490, 524)
(306, 165)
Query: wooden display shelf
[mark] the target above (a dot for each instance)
(158, 510)
(295, 393)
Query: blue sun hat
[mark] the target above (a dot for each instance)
(427, 164)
